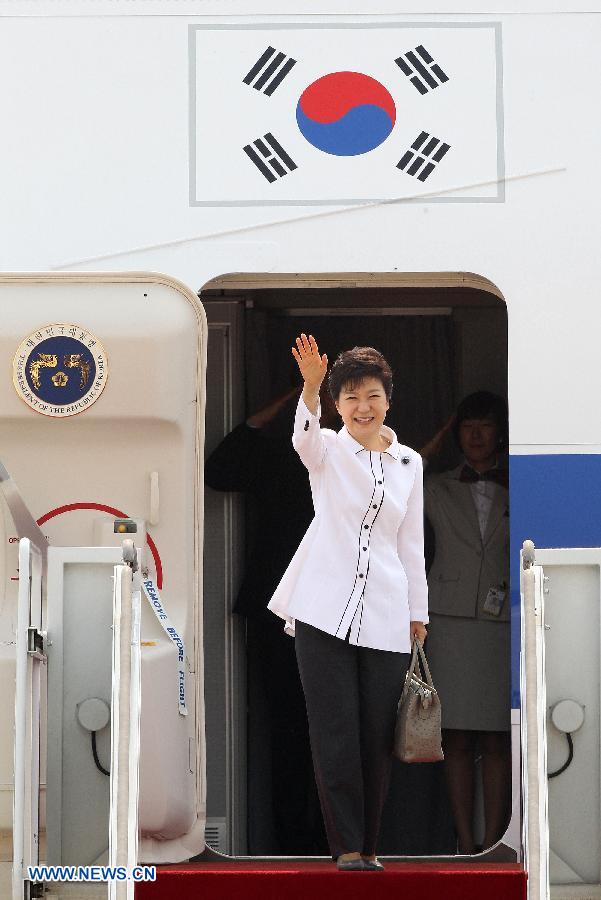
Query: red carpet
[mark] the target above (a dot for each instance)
(300, 880)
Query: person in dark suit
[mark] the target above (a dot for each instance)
(257, 458)
(468, 593)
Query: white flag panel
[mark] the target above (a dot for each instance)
(428, 98)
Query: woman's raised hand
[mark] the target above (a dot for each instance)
(313, 367)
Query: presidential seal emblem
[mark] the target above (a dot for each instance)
(60, 370)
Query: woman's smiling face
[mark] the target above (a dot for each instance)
(363, 407)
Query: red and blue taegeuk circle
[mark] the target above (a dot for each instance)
(346, 113)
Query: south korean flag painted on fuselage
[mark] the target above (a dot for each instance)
(337, 114)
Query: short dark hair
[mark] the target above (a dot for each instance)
(353, 366)
(484, 405)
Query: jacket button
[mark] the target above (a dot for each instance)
(405, 460)
(375, 506)
(366, 526)
(360, 574)
(364, 548)
(379, 482)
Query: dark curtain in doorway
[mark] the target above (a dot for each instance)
(420, 350)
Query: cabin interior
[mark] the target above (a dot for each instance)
(445, 336)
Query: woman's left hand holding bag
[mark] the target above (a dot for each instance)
(417, 631)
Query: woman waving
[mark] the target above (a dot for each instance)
(355, 592)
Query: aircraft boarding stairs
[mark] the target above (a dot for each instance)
(41, 645)
(54, 634)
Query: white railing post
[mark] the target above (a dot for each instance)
(20, 719)
(533, 727)
(27, 716)
(125, 729)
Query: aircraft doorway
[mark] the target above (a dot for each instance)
(445, 336)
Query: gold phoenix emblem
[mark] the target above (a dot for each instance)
(76, 361)
(44, 360)
(59, 379)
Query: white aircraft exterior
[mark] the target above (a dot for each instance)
(164, 136)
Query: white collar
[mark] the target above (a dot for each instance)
(394, 449)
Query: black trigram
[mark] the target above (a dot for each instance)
(428, 157)
(270, 157)
(269, 70)
(412, 64)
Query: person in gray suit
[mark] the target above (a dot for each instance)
(468, 593)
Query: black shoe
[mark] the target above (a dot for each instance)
(373, 865)
(351, 865)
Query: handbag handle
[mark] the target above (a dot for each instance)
(417, 647)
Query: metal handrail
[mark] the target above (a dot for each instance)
(26, 790)
(125, 728)
(533, 728)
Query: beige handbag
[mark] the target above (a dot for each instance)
(417, 733)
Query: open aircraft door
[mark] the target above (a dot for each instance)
(102, 428)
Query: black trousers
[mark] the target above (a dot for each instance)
(351, 695)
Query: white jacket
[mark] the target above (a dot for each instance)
(361, 561)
